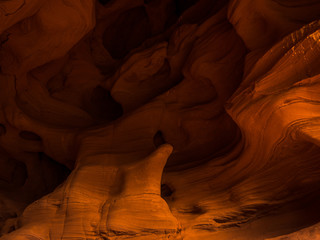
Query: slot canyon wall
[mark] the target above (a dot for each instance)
(159, 119)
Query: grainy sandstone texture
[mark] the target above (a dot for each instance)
(159, 119)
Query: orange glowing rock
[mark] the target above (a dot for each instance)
(159, 119)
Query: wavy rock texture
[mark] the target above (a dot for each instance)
(159, 119)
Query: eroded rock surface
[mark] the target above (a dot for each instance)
(159, 119)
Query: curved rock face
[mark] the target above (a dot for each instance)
(159, 119)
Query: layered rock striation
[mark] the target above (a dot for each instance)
(159, 119)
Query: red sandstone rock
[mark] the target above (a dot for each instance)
(159, 119)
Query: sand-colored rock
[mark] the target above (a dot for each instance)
(159, 119)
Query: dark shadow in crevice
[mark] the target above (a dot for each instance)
(30, 136)
(148, 1)
(103, 107)
(16, 177)
(104, 2)
(129, 30)
(195, 210)
(158, 139)
(3, 129)
(53, 173)
(166, 191)
(11, 229)
(183, 5)
(20, 174)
